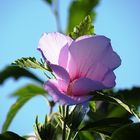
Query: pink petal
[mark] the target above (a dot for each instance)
(109, 80)
(64, 53)
(83, 37)
(84, 85)
(52, 87)
(97, 72)
(69, 40)
(61, 75)
(72, 68)
(63, 57)
(87, 51)
(102, 74)
(111, 59)
(63, 86)
(50, 45)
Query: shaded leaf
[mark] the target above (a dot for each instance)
(127, 132)
(84, 28)
(44, 131)
(16, 73)
(104, 137)
(10, 136)
(85, 135)
(76, 117)
(117, 111)
(24, 94)
(131, 96)
(79, 9)
(30, 62)
(97, 96)
(106, 126)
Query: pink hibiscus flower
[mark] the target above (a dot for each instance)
(80, 66)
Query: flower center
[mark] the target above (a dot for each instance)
(69, 89)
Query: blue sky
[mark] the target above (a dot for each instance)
(23, 22)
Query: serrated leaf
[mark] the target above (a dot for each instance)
(84, 28)
(10, 136)
(24, 94)
(106, 126)
(16, 73)
(97, 96)
(127, 132)
(30, 62)
(79, 9)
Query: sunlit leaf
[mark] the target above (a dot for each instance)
(16, 73)
(106, 126)
(30, 62)
(79, 9)
(10, 136)
(24, 94)
(92, 106)
(84, 28)
(29, 90)
(127, 132)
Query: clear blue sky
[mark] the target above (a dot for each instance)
(23, 22)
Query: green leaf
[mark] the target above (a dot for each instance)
(97, 96)
(128, 96)
(79, 9)
(84, 28)
(31, 62)
(44, 131)
(24, 94)
(92, 106)
(76, 117)
(131, 96)
(127, 132)
(29, 90)
(106, 126)
(10, 136)
(85, 135)
(16, 73)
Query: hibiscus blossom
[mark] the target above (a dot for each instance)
(80, 66)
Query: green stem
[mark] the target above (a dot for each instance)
(65, 115)
(69, 134)
(75, 136)
(102, 138)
